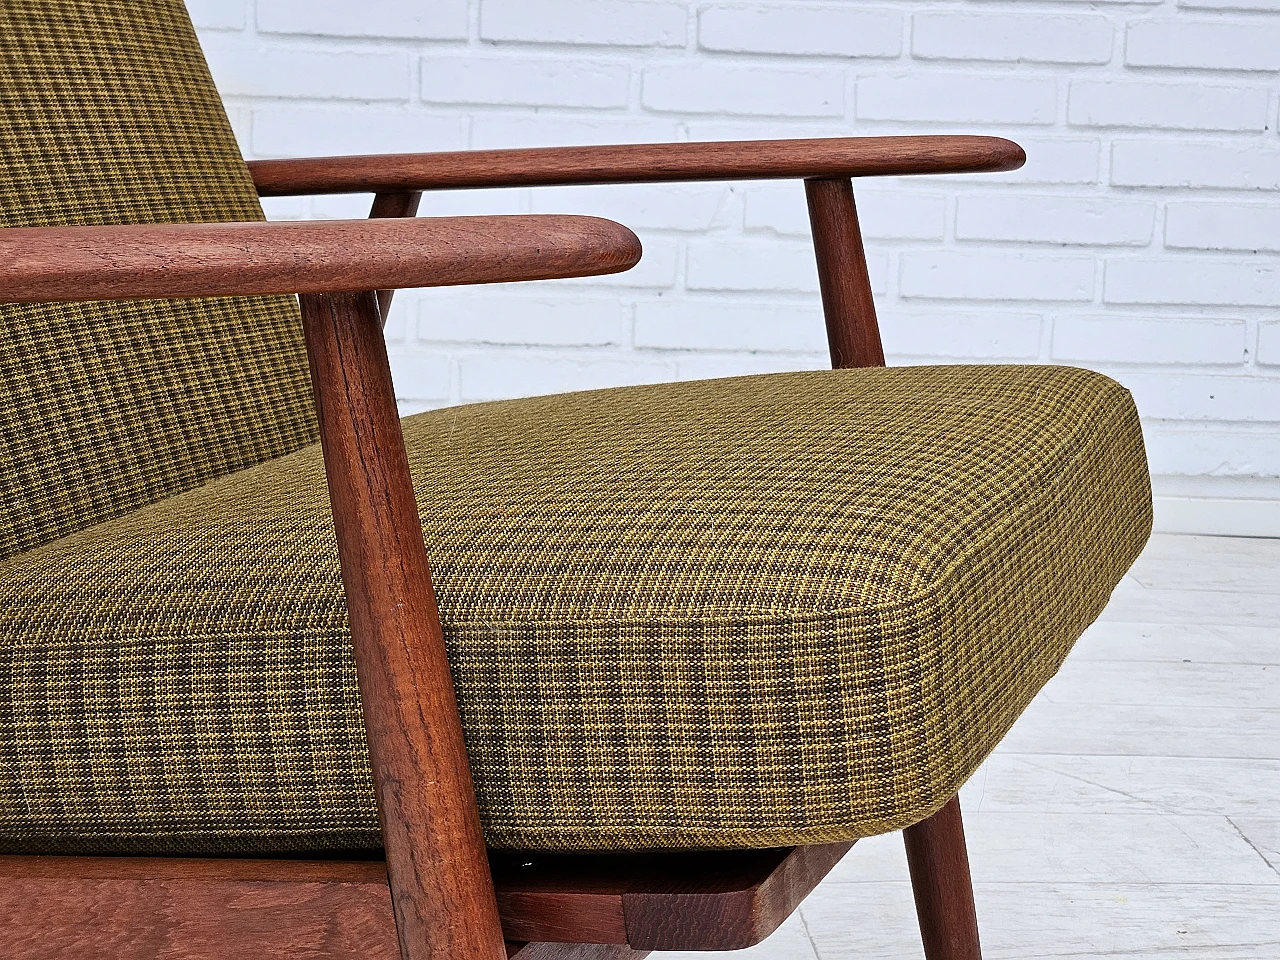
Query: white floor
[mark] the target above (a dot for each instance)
(1134, 811)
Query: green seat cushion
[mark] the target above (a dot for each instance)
(732, 613)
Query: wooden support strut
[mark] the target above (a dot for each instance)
(390, 206)
(852, 332)
(441, 888)
(943, 888)
(936, 849)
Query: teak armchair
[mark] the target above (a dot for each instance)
(435, 891)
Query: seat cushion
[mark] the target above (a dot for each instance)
(733, 613)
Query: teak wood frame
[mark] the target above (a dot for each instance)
(437, 880)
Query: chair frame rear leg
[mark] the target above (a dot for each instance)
(939, 863)
(936, 849)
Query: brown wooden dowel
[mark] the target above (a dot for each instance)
(637, 163)
(392, 206)
(939, 863)
(441, 887)
(853, 334)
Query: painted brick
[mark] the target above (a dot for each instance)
(840, 31)
(884, 215)
(765, 265)
(241, 71)
(714, 366)
(471, 316)
(1269, 344)
(1060, 160)
(1191, 281)
(437, 20)
(1199, 397)
(286, 208)
(398, 327)
(695, 325)
(1204, 44)
(1270, 5)
(726, 285)
(496, 132)
(669, 206)
(1032, 37)
(1223, 226)
(957, 98)
(475, 203)
(1067, 4)
(997, 275)
(1055, 219)
(503, 375)
(327, 131)
(419, 375)
(1208, 451)
(1174, 163)
(1164, 340)
(964, 336)
(341, 206)
(699, 128)
(217, 14)
(716, 88)
(1175, 106)
(627, 23)
(533, 82)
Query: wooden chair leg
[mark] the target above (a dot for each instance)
(441, 888)
(939, 863)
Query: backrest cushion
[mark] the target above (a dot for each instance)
(108, 115)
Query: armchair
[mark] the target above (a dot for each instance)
(211, 548)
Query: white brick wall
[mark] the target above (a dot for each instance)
(1142, 238)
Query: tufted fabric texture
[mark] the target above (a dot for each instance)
(108, 115)
(731, 613)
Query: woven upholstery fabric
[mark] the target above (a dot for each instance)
(733, 613)
(108, 115)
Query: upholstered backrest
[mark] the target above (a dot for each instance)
(108, 115)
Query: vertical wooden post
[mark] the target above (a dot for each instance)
(939, 863)
(393, 205)
(936, 851)
(440, 883)
(852, 332)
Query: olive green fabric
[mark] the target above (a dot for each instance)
(731, 613)
(108, 115)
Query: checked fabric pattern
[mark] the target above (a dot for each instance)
(749, 612)
(108, 115)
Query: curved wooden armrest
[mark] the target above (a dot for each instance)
(154, 261)
(637, 163)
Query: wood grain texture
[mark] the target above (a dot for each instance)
(573, 951)
(943, 888)
(160, 907)
(64, 908)
(440, 883)
(676, 915)
(392, 206)
(853, 333)
(637, 163)
(224, 259)
(713, 900)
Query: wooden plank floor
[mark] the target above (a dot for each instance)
(1134, 811)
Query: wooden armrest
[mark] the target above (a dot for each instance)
(637, 163)
(153, 261)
